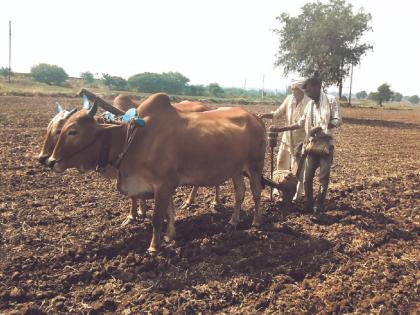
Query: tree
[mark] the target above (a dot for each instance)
(87, 77)
(383, 94)
(49, 74)
(361, 95)
(324, 38)
(216, 90)
(195, 90)
(149, 82)
(414, 99)
(397, 97)
(4, 71)
(114, 82)
(174, 82)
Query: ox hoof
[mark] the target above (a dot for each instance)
(168, 238)
(152, 251)
(256, 223)
(129, 220)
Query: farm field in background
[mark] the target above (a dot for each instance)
(63, 250)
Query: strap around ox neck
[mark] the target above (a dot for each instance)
(104, 153)
(103, 161)
(131, 133)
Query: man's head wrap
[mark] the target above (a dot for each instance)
(298, 83)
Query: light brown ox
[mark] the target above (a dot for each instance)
(124, 103)
(173, 148)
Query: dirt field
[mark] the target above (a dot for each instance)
(63, 250)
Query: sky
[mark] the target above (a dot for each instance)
(228, 42)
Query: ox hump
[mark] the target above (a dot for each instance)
(155, 104)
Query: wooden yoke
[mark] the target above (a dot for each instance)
(101, 102)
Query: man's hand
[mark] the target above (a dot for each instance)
(278, 129)
(267, 116)
(315, 130)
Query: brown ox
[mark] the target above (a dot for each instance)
(53, 132)
(173, 148)
(124, 103)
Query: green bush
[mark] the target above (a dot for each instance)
(414, 99)
(114, 82)
(168, 82)
(87, 77)
(216, 90)
(4, 71)
(49, 74)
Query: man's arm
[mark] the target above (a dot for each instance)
(278, 112)
(336, 119)
(281, 129)
(267, 116)
(300, 123)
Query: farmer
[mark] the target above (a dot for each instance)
(320, 117)
(289, 153)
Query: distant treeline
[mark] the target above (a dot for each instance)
(147, 82)
(385, 94)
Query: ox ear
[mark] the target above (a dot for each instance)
(58, 107)
(86, 104)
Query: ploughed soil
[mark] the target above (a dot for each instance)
(63, 249)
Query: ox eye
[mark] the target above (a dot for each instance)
(73, 132)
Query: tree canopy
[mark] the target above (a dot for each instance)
(361, 95)
(87, 77)
(383, 94)
(414, 99)
(149, 82)
(114, 82)
(50, 74)
(324, 38)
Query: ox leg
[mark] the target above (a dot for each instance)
(162, 199)
(170, 217)
(132, 216)
(143, 208)
(216, 201)
(256, 188)
(191, 198)
(239, 186)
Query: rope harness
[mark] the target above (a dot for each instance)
(103, 161)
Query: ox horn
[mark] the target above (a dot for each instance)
(59, 108)
(92, 111)
(86, 104)
(68, 114)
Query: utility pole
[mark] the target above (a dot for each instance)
(10, 48)
(351, 82)
(262, 90)
(245, 84)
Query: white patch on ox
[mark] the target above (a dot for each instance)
(133, 186)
